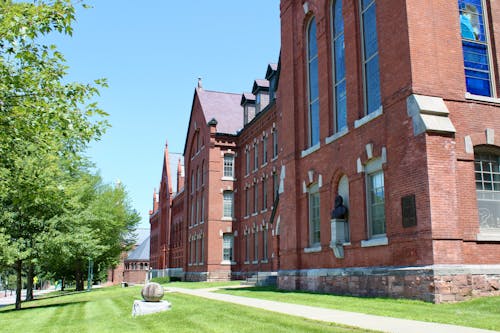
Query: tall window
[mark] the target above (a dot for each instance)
(202, 248)
(275, 143)
(247, 202)
(228, 165)
(314, 219)
(256, 246)
(227, 247)
(192, 222)
(202, 217)
(228, 204)
(275, 185)
(197, 210)
(264, 149)
(247, 161)
(487, 170)
(256, 156)
(247, 248)
(192, 182)
(339, 66)
(370, 56)
(203, 173)
(256, 198)
(264, 193)
(475, 45)
(264, 244)
(198, 177)
(376, 204)
(313, 83)
(196, 251)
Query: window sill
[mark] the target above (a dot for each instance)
(482, 98)
(226, 262)
(264, 261)
(232, 179)
(312, 249)
(263, 211)
(255, 214)
(247, 262)
(336, 136)
(246, 217)
(227, 219)
(368, 117)
(310, 150)
(263, 165)
(255, 262)
(375, 242)
(274, 158)
(491, 236)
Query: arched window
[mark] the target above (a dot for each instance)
(339, 83)
(313, 83)
(487, 174)
(314, 215)
(370, 56)
(475, 45)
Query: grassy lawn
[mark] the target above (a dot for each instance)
(481, 313)
(109, 310)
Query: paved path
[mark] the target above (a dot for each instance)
(11, 299)
(365, 321)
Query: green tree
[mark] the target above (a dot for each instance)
(45, 124)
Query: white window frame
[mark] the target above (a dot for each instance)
(228, 204)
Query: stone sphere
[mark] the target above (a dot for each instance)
(152, 292)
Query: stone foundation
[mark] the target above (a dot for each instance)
(436, 283)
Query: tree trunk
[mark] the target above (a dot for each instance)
(19, 283)
(63, 283)
(29, 283)
(79, 279)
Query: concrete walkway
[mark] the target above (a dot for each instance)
(365, 321)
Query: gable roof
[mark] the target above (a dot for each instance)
(141, 252)
(224, 107)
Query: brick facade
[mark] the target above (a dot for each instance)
(421, 140)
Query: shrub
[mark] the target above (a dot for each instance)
(161, 280)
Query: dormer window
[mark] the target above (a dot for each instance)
(272, 77)
(261, 92)
(248, 103)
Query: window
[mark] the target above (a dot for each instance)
(247, 248)
(202, 248)
(247, 162)
(475, 46)
(370, 56)
(228, 165)
(314, 217)
(203, 173)
(192, 182)
(264, 244)
(196, 252)
(275, 143)
(487, 170)
(247, 202)
(313, 83)
(264, 193)
(339, 82)
(228, 204)
(227, 247)
(192, 213)
(198, 177)
(255, 198)
(197, 210)
(256, 246)
(256, 156)
(376, 204)
(258, 101)
(275, 185)
(202, 217)
(264, 149)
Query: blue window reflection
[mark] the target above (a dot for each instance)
(475, 47)
(313, 82)
(370, 56)
(339, 67)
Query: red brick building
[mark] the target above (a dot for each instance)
(392, 105)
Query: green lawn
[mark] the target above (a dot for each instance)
(481, 312)
(109, 310)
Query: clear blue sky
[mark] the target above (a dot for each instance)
(152, 53)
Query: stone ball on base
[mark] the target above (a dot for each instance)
(152, 292)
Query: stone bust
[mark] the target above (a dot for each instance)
(340, 211)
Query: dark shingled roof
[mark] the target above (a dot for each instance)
(224, 107)
(140, 253)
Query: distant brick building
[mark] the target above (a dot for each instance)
(392, 105)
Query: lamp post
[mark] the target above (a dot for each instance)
(90, 274)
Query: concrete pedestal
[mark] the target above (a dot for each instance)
(143, 308)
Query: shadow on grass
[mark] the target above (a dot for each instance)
(56, 305)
